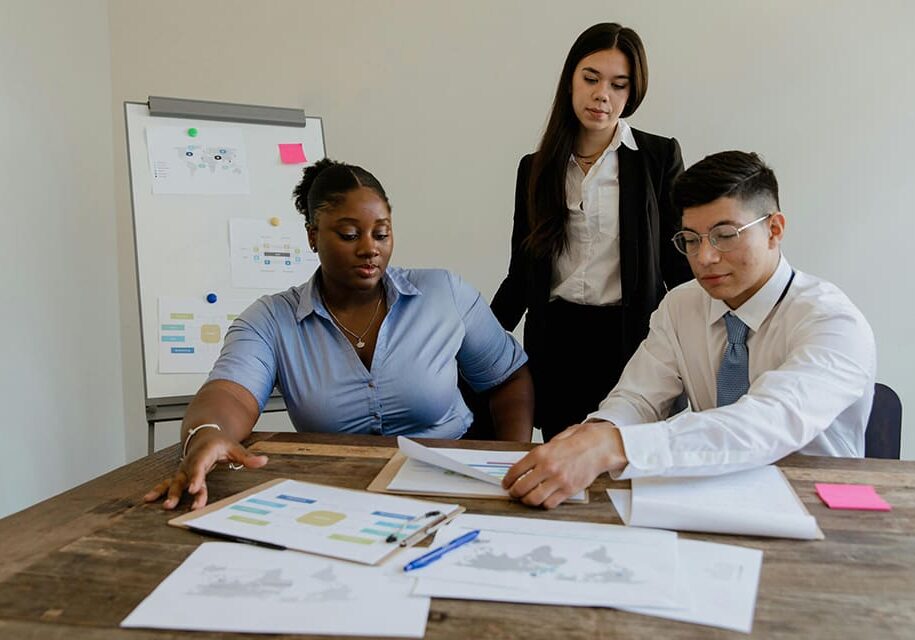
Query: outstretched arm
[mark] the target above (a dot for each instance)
(228, 405)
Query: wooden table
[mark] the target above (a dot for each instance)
(75, 565)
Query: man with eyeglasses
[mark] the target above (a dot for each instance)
(772, 360)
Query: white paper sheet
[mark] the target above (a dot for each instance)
(416, 476)
(315, 518)
(192, 332)
(212, 162)
(265, 256)
(756, 502)
(241, 588)
(555, 562)
(722, 581)
(717, 586)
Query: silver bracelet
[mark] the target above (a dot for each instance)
(190, 434)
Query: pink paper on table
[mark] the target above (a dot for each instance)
(851, 496)
(292, 153)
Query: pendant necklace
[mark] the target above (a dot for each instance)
(359, 337)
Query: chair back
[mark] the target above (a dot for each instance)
(884, 426)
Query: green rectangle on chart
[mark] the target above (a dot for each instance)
(172, 327)
(345, 538)
(260, 523)
(181, 316)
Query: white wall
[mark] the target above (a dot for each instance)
(440, 100)
(60, 372)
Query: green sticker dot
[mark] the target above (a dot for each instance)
(192, 132)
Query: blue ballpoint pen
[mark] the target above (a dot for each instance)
(435, 554)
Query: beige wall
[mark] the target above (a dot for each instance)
(440, 100)
(60, 356)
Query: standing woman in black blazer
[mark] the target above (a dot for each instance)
(591, 255)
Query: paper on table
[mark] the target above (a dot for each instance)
(241, 588)
(417, 476)
(722, 580)
(555, 562)
(341, 523)
(756, 502)
(431, 456)
(716, 583)
(851, 496)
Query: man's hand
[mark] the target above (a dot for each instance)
(205, 452)
(566, 464)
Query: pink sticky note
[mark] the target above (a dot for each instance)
(292, 153)
(851, 496)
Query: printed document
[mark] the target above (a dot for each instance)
(756, 502)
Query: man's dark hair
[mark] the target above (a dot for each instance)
(729, 174)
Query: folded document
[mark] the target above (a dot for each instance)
(756, 502)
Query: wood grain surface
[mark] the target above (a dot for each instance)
(75, 565)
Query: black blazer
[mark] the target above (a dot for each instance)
(648, 259)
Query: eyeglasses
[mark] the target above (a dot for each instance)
(723, 238)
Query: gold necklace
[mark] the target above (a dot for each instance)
(359, 337)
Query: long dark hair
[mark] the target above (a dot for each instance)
(546, 195)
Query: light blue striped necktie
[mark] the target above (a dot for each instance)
(734, 372)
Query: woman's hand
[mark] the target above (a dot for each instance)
(206, 449)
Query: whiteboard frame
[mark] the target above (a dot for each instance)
(166, 407)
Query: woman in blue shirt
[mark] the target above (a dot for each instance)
(360, 348)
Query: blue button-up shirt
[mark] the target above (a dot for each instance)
(436, 326)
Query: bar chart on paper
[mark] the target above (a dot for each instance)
(353, 525)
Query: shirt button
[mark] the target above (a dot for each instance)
(372, 385)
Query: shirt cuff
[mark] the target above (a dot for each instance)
(619, 414)
(647, 447)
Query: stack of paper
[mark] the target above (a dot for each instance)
(245, 589)
(757, 502)
(469, 473)
(584, 564)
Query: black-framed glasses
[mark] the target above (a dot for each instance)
(724, 238)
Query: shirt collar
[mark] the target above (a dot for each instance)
(754, 311)
(622, 136)
(395, 282)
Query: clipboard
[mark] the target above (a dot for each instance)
(341, 523)
(387, 474)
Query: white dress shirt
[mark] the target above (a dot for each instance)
(812, 370)
(588, 272)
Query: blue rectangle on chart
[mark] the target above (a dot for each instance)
(172, 338)
(182, 349)
(266, 503)
(295, 499)
(395, 525)
(385, 514)
(241, 507)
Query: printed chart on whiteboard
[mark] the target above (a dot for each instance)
(192, 332)
(270, 255)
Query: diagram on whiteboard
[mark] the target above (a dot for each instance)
(192, 332)
(270, 256)
(197, 160)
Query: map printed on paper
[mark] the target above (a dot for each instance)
(212, 161)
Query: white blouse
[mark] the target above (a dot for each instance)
(589, 271)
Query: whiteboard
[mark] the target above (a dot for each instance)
(182, 239)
